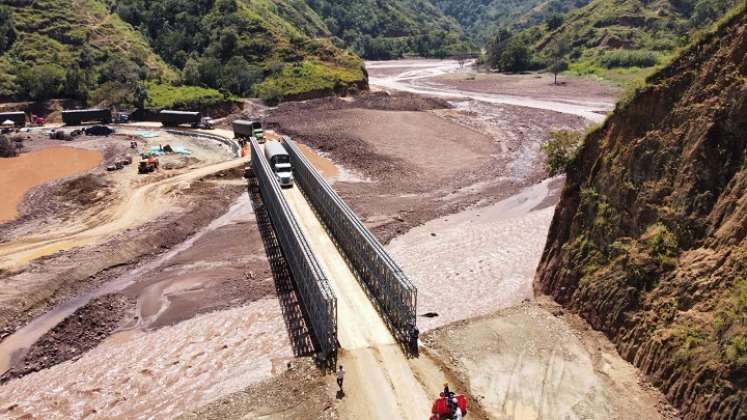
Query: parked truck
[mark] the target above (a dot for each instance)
(244, 129)
(280, 162)
(18, 118)
(171, 118)
(80, 116)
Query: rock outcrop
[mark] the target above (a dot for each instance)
(649, 241)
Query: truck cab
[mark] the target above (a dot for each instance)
(284, 174)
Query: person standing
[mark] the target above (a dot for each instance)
(340, 377)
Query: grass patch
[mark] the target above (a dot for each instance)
(306, 77)
(181, 97)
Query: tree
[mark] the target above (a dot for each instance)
(7, 29)
(191, 72)
(40, 82)
(514, 57)
(554, 22)
(239, 76)
(496, 46)
(558, 49)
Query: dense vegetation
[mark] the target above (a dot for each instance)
(616, 39)
(385, 30)
(243, 47)
(115, 51)
(481, 19)
(52, 48)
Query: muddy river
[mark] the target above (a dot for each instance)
(35, 168)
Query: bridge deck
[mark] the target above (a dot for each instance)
(379, 375)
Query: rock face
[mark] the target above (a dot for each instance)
(649, 242)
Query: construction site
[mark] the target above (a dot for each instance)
(226, 270)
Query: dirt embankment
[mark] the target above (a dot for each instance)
(553, 366)
(648, 242)
(423, 159)
(80, 332)
(301, 392)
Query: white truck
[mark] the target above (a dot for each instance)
(280, 162)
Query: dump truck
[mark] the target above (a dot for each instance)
(280, 163)
(80, 116)
(244, 129)
(171, 118)
(18, 118)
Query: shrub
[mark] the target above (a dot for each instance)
(561, 149)
(7, 148)
(185, 97)
(625, 58)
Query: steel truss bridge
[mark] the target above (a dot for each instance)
(387, 287)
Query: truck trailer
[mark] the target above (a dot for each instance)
(18, 118)
(280, 162)
(170, 118)
(244, 129)
(80, 116)
(92, 115)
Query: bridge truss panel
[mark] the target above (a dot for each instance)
(310, 281)
(394, 296)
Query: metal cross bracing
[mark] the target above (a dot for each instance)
(394, 296)
(318, 299)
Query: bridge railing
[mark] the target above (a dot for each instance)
(311, 283)
(391, 291)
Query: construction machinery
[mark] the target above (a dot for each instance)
(80, 116)
(244, 129)
(147, 165)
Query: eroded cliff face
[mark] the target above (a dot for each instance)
(649, 242)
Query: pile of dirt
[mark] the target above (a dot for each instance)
(78, 333)
(301, 392)
(382, 101)
(59, 200)
(648, 242)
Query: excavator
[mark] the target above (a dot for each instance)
(449, 406)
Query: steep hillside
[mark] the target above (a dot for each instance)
(246, 46)
(649, 241)
(627, 34)
(54, 48)
(482, 18)
(387, 29)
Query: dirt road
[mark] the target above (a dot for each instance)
(416, 76)
(379, 374)
(142, 205)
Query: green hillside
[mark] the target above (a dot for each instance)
(246, 47)
(52, 48)
(387, 29)
(620, 40)
(482, 18)
(127, 51)
(608, 36)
